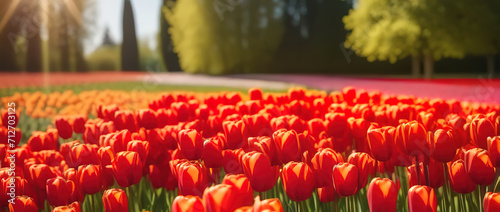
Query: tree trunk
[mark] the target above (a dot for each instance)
(428, 66)
(416, 66)
(491, 65)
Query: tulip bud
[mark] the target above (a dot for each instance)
(322, 163)
(491, 202)
(288, 145)
(298, 181)
(127, 168)
(187, 204)
(258, 169)
(479, 167)
(64, 128)
(115, 200)
(459, 179)
(422, 198)
(380, 141)
(23, 204)
(382, 195)
(345, 179)
(190, 144)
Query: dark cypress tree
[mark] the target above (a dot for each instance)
(34, 49)
(130, 51)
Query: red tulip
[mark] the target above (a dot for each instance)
(494, 150)
(491, 202)
(146, 118)
(40, 173)
(42, 141)
(445, 146)
(71, 174)
(411, 138)
(106, 155)
(59, 191)
(380, 141)
(192, 178)
(83, 154)
(316, 127)
(258, 124)
(89, 177)
(119, 141)
(422, 198)
(459, 179)
(23, 204)
(212, 152)
(480, 130)
(125, 120)
(264, 145)
(382, 195)
(327, 194)
(115, 200)
(258, 169)
(322, 164)
(288, 145)
(127, 168)
(479, 167)
(191, 144)
(9, 115)
(78, 123)
(336, 124)
(73, 207)
(298, 181)
(255, 93)
(243, 189)
(141, 147)
(187, 204)
(236, 134)
(345, 179)
(64, 127)
(106, 111)
(271, 205)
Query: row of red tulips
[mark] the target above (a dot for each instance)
(303, 150)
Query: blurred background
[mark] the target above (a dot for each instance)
(410, 38)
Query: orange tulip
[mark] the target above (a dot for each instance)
(345, 179)
(258, 169)
(422, 198)
(322, 164)
(187, 204)
(479, 167)
(115, 200)
(491, 202)
(298, 181)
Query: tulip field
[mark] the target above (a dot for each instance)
(296, 150)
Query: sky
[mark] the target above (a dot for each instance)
(110, 12)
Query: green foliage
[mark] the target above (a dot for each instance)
(394, 29)
(105, 58)
(219, 36)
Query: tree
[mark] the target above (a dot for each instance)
(166, 47)
(7, 39)
(425, 30)
(225, 36)
(129, 51)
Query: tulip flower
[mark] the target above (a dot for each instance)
(192, 178)
(445, 146)
(288, 145)
(345, 179)
(365, 165)
(146, 118)
(40, 173)
(480, 130)
(187, 204)
(479, 167)
(271, 205)
(327, 194)
(298, 181)
(127, 168)
(411, 138)
(141, 147)
(42, 141)
(89, 177)
(258, 124)
(255, 93)
(83, 154)
(64, 127)
(115, 200)
(191, 144)
(491, 202)
(23, 204)
(236, 134)
(59, 191)
(382, 195)
(322, 163)
(336, 124)
(264, 145)
(221, 198)
(422, 198)
(380, 141)
(258, 169)
(6, 116)
(119, 141)
(243, 188)
(494, 150)
(212, 152)
(316, 127)
(459, 179)
(78, 123)
(73, 207)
